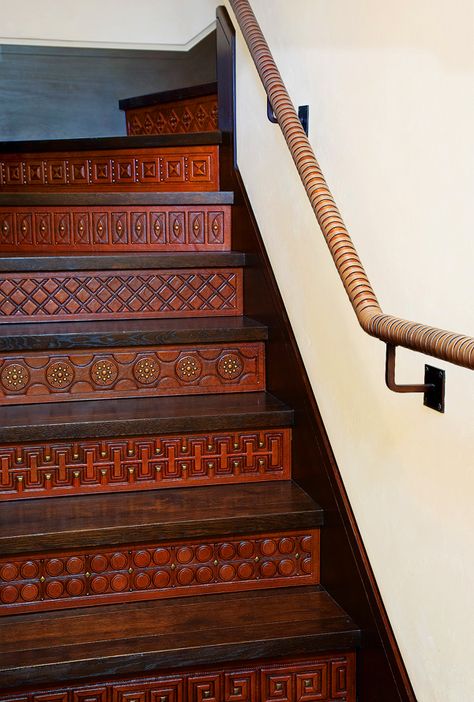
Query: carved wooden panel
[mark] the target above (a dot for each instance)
(181, 117)
(308, 679)
(303, 682)
(40, 297)
(54, 580)
(141, 463)
(185, 168)
(86, 229)
(152, 370)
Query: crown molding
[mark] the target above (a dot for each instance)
(137, 46)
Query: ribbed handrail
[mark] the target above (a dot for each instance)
(448, 346)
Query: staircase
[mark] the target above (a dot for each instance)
(154, 547)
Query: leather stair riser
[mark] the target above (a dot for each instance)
(179, 117)
(328, 678)
(143, 463)
(185, 168)
(131, 372)
(114, 228)
(57, 580)
(125, 294)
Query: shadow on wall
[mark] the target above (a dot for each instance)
(64, 93)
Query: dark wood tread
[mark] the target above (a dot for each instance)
(115, 198)
(110, 143)
(12, 262)
(161, 98)
(130, 332)
(155, 515)
(137, 416)
(41, 649)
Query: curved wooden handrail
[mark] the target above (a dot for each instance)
(448, 346)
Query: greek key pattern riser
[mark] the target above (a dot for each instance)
(183, 117)
(142, 463)
(148, 371)
(87, 295)
(190, 168)
(328, 678)
(81, 229)
(160, 570)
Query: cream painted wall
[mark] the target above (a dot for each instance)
(171, 24)
(391, 89)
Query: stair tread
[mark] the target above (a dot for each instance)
(139, 637)
(141, 517)
(136, 416)
(12, 262)
(129, 332)
(115, 198)
(110, 143)
(160, 98)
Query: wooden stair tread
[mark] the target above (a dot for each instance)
(139, 517)
(136, 416)
(139, 637)
(160, 98)
(110, 143)
(130, 332)
(121, 261)
(116, 198)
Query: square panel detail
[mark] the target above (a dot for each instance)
(103, 171)
(204, 688)
(79, 171)
(199, 169)
(174, 169)
(90, 694)
(277, 686)
(149, 170)
(312, 684)
(225, 683)
(57, 172)
(240, 686)
(125, 170)
(130, 693)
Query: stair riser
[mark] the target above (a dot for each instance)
(115, 229)
(181, 117)
(143, 463)
(131, 372)
(59, 580)
(126, 294)
(185, 168)
(323, 678)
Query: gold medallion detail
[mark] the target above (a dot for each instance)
(15, 377)
(60, 375)
(188, 368)
(146, 370)
(104, 372)
(230, 366)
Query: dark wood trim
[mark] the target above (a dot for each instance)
(122, 261)
(193, 91)
(79, 420)
(104, 143)
(174, 514)
(115, 198)
(129, 333)
(143, 636)
(346, 570)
